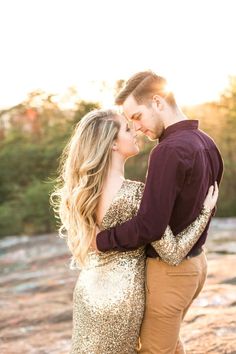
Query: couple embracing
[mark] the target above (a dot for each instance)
(139, 246)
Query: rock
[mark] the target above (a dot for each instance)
(210, 325)
(36, 287)
(222, 236)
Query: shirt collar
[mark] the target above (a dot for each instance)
(182, 125)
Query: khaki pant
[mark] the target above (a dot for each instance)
(169, 293)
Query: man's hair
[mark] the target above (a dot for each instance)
(143, 86)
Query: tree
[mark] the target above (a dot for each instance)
(218, 119)
(37, 131)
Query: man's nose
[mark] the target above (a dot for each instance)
(137, 126)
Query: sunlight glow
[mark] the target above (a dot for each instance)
(55, 45)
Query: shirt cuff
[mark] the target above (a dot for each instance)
(103, 241)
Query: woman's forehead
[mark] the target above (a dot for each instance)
(122, 119)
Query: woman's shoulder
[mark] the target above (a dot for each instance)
(135, 185)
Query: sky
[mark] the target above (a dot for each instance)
(55, 44)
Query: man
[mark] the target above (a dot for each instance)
(181, 168)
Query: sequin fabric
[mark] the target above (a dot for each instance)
(109, 296)
(173, 249)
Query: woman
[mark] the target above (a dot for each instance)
(109, 294)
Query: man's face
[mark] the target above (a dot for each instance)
(146, 118)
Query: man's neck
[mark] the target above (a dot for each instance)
(174, 117)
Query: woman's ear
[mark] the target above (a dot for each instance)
(114, 146)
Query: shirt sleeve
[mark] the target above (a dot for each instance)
(165, 178)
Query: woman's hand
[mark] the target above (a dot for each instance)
(212, 196)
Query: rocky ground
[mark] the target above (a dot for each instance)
(36, 296)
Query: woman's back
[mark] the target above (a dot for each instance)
(111, 187)
(105, 318)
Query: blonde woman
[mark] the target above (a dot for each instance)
(108, 300)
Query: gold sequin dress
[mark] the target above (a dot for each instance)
(109, 296)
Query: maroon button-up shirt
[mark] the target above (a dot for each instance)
(181, 168)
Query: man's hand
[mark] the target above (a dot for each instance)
(93, 245)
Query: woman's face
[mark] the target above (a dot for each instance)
(126, 142)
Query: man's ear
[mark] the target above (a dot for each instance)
(158, 101)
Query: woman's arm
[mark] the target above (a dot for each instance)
(172, 249)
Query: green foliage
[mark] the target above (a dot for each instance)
(11, 218)
(29, 159)
(136, 167)
(218, 119)
(39, 130)
(37, 215)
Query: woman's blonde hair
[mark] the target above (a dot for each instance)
(83, 168)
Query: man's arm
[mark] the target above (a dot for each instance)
(166, 174)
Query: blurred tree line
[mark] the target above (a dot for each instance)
(34, 133)
(32, 137)
(218, 119)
